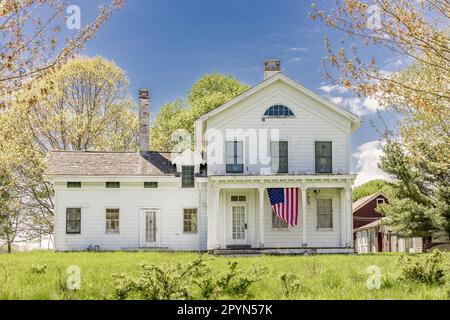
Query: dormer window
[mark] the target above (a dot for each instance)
(278, 111)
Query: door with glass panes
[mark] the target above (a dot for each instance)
(237, 220)
(149, 235)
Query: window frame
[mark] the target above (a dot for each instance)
(183, 185)
(272, 156)
(112, 231)
(110, 182)
(383, 201)
(155, 184)
(235, 163)
(191, 220)
(316, 157)
(73, 184)
(318, 228)
(285, 114)
(284, 226)
(78, 220)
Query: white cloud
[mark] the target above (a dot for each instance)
(368, 156)
(337, 100)
(297, 49)
(334, 88)
(371, 104)
(295, 59)
(358, 106)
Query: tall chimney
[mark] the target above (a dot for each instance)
(144, 121)
(271, 68)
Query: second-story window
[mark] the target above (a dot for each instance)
(279, 156)
(324, 157)
(235, 156)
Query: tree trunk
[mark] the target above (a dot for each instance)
(9, 247)
(427, 243)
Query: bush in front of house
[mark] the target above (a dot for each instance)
(428, 269)
(189, 281)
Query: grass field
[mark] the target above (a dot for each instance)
(320, 277)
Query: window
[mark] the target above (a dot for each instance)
(112, 220)
(278, 223)
(151, 185)
(324, 214)
(380, 201)
(279, 156)
(73, 184)
(278, 111)
(235, 156)
(238, 198)
(323, 157)
(190, 221)
(187, 176)
(113, 185)
(73, 220)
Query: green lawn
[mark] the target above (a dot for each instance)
(321, 276)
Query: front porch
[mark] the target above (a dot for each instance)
(240, 216)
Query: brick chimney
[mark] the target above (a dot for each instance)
(271, 68)
(144, 120)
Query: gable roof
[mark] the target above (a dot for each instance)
(371, 225)
(355, 120)
(77, 163)
(365, 200)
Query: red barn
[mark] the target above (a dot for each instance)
(364, 209)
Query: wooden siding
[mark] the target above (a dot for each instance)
(94, 198)
(312, 122)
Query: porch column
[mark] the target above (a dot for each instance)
(305, 227)
(343, 219)
(261, 217)
(217, 215)
(349, 215)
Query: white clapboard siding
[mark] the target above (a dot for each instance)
(94, 198)
(312, 122)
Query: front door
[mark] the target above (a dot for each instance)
(149, 228)
(238, 221)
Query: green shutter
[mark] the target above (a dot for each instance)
(283, 156)
(187, 177)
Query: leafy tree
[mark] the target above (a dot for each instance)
(30, 42)
(208, 93)
(171, 117)
(87, 108)
(416, 153)
(372, 187)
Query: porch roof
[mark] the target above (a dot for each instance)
(274, 180)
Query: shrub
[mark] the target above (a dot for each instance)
(189, 281)
(38, 268)
(158, 282)
(233, 282)
(429, 269)
(289, 284)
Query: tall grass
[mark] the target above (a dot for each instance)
(319, 277)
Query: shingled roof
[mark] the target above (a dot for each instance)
(75, 163)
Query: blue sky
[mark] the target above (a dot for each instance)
(168, 45)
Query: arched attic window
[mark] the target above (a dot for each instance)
(278, 111)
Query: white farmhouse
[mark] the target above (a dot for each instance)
(277, 135)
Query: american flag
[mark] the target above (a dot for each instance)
(284, 203)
